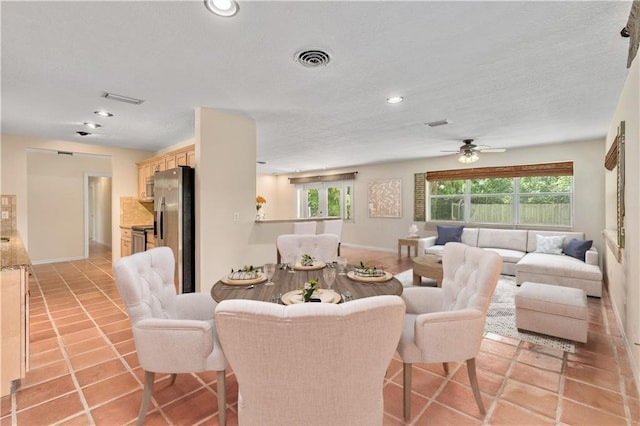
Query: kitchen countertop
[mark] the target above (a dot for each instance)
(136, 225)
(13, 254)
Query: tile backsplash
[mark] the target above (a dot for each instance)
(133, 212)
(9, 215)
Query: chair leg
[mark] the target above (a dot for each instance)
(445, 365)
(173, 379)
(406, 383)
(222, 399)
(146, 396)
(473, 378)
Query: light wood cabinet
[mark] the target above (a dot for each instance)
(181, 157)
(125, 242)
(14, 335)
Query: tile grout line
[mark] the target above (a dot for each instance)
(63, 350)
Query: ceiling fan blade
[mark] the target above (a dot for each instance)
(492, 150)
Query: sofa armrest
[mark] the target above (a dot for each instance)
(591, 257)
(423, 243)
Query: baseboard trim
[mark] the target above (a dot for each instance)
(62, 259)
(628, 344)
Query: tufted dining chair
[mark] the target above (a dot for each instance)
(311, 363)
(447, 324)
(334, 227)
(305, 228)
(323, 247)
(172, 333)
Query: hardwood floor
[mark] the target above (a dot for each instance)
(84, 368)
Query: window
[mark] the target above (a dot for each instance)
(323, 199)
(324, 196)
(515, 195)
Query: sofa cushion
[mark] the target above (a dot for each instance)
(512, 239)
(558, 265)
(470, 236)
(552, 299)
(549, 245)
(532, 242)
(508, 256)
(578, 248)
(436, 250)
(449, 234)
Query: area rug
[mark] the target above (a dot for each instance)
(501, 316)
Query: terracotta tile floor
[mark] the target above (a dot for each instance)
(84, 368)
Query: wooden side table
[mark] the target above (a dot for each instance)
(409, 242)
(429, 266)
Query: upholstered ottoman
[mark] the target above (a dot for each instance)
(553, 310)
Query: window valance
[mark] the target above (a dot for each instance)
(323, 178)
(564, 168)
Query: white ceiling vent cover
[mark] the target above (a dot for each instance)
(313, 58)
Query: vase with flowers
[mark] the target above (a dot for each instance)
(308, 289)
(260, 202)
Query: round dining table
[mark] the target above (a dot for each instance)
(286, 281)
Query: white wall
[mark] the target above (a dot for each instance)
(624, 278)
(14, 175)
(383, 233)
(56, 203)
(225, 185)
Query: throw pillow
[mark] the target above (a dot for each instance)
(578, 248)
(550, 245)
(449, 234)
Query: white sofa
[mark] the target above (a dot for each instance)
(517, 248)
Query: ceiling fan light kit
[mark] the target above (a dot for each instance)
(468, 157)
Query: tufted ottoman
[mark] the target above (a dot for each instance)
(553, 310)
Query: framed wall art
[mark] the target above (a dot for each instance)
(384, 198)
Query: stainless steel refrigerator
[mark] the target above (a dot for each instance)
(174, 225)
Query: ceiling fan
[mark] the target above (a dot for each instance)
(469, 151)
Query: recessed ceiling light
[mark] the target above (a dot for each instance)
(93, 125)
(102, 113)
(395, 99)
(81, 133)
(224, 8)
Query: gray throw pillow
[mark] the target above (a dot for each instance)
(449, 234)
(578, 248)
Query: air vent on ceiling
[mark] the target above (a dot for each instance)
(313, 58)
(121, 98)
(438, 123)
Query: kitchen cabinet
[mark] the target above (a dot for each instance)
(14, 311)
(181, 157)
(125, 242)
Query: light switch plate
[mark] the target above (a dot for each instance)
(5, 215)
(236, 216)
(5, 201)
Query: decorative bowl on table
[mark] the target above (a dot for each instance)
(246, 275)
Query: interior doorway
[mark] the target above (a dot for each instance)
(97, 202)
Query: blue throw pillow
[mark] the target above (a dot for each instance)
(578, 248)
(449, 234)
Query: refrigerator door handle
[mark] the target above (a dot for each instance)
(161, 219)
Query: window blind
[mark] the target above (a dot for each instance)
(546, 169)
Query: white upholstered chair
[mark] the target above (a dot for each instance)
(312, 363)
(172, 333)
(322, 247)
(334, 227)
(305, 228)
(447, 324)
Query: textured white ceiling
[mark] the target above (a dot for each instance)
(507, 74)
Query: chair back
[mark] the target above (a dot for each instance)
(312, 363)
(322, 247)
(333, 227)
(305, 228)
(145, 283)
(470, 275)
